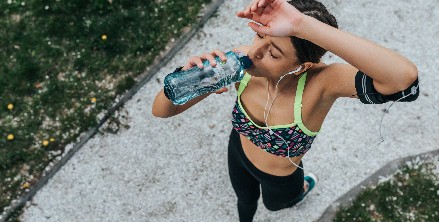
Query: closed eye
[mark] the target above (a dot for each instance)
(272, 56)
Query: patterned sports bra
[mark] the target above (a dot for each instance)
(298, 138)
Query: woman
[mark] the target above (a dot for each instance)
(270, 136)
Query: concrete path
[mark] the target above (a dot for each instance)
(176, 170)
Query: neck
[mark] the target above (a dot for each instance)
(283, 84)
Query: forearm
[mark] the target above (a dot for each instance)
(164, 108)
(383, 65)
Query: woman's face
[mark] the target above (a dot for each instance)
(272, 56)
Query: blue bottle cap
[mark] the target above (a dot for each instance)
(246, 62)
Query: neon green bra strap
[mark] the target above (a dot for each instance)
(297, 102)
(298, 106)
(298, 99)
(243, 83)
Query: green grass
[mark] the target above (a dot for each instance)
(63, 64)
(411, 195)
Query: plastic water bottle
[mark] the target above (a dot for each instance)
(180, 87)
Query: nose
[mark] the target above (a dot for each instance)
(258, 50)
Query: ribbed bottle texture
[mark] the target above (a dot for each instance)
(180, 87)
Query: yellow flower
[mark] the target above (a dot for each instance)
(104, 37)
(10, 106)
(45, 142)
(93, 100)
(25, 185)
(10, 136)
(52, 139)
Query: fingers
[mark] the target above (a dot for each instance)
(222, 90)
(256, 6)
(194, 61)
(210, 58)
(220, 54)
(260, 28)
(261, 3)
(198, 60)
(246, 13)
(242, 14)
(259, 11)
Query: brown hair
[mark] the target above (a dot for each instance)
(306, 50)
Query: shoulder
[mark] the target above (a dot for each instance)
(336, 80)
(326, 75)
(335, 71)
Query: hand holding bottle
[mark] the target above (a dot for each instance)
(198, 61)
(205, 74)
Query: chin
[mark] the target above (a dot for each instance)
(253, 71)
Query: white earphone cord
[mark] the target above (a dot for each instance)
(271, 106)
(365, 156)
(413, 92)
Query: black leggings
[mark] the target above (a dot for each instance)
(278, 192)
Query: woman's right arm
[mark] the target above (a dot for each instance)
(164, 108)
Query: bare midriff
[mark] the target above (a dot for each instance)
(267, 162)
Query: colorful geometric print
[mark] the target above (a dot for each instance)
(298, 143)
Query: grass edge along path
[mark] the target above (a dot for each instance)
(390, 168)
(160, 61)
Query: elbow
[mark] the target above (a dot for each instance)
(159, 114)
(162, 109)
(408, 78)
(412, 73)
(155, 114)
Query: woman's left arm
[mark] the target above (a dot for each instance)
(381, 70)
(390, 71)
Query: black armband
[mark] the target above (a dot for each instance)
(368, 94)
(176, 70)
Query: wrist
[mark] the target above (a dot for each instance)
(302, 23)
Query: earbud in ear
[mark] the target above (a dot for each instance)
(296, 70)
